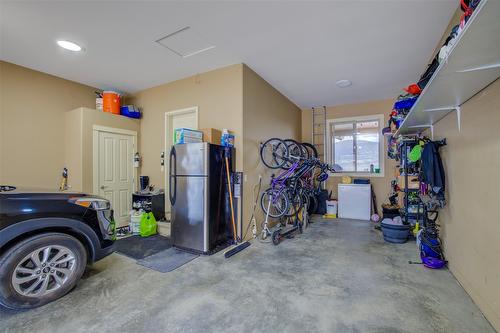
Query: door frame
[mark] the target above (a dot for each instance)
(166, 150)
(95, 154)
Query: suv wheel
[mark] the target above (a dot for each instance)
(40, 269)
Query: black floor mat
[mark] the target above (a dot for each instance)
(137, 247)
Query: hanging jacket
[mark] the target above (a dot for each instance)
(432, 172)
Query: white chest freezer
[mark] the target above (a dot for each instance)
(355, 201)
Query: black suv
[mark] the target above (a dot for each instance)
(46, 240)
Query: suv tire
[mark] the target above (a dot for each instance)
(53, 262)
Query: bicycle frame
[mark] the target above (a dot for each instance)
(278, 186)
(279, 183)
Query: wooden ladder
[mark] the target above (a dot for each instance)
(319, 131)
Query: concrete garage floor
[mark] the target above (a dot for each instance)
(339, 276)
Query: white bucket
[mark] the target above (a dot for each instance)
(331, 207)
(135, 222)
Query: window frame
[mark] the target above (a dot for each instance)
(330, 144)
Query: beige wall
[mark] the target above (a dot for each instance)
(32, 133)
(470, 223)
(233, 97)
(218, 96)
(266, 114)
(381, 185)
(79, 142)
(2, 106)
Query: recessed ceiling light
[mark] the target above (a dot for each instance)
(343, 83)
(66, 44)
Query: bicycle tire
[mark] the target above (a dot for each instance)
(306, 201)
(311, 149)
(264, 205)
(279, 153)
(294, 152)
(313, 205)
(277, 161)
(295, 204)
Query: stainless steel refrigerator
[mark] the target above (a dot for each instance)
(200, 218)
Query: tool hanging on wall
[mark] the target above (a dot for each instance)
(244, 245)
(64, 180)
(253, 221)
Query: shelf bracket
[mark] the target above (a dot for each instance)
(446, 108)
(431, 127)
(449, 108)
(479, 68)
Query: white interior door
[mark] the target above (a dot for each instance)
(115, 173)
(185, 118)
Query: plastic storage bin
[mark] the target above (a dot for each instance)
(394, 233)
(186, 135)
(130, 111)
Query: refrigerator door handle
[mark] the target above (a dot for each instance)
(173, 178)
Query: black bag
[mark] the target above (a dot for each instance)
(322, 196)
(424, 79)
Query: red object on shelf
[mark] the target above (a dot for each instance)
(111, 102)
(413, 89)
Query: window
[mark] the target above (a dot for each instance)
(356, 144)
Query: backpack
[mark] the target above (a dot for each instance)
(322, 196)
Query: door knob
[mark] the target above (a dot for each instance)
(103, 187)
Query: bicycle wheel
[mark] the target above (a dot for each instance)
(311, 150)
(274, 202)
(313, 205)
(274, 153)
(306, 201)
(295, 152)
(294, 148)
(295, 200)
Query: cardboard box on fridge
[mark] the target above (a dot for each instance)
(211, 135)
(186, 135)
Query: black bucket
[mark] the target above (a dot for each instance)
(143, 182)
(390, 213)
(395, 233)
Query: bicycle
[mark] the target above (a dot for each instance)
(291, 191)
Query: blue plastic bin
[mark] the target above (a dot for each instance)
(130, 111)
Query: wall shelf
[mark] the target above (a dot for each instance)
(472, 64)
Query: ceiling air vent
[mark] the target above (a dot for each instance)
(185, 42)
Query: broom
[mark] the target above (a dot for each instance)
(244, 245)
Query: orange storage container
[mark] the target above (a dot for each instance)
(111, 102)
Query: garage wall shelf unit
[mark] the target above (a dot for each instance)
(472, 64)
(415, 216)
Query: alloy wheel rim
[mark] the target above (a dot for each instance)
(44, 271)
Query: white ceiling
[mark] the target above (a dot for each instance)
(301, 48)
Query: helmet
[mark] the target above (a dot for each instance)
(322, 177)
